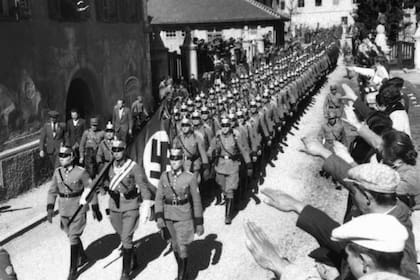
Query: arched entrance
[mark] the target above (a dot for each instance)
(79, 97)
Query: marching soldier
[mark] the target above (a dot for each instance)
(104, 153)
(125, 186)
(332, 131)
(178, 208)
(333, 103)
(192, 144)
(71, 184)
(89, 144)
(228, 149)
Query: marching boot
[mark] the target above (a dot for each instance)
(74, 259)
(82, 260)
(126, 266)
(228, 212)
(182, 269)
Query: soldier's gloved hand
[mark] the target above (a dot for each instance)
(50, 212)
(83, 197)
(145, 210)
(97, 215)
(200, 230)
(160, 223)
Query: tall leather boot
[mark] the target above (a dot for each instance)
(126, 265)
(82, 260)
(182, 269)
(178, 262)
(228, 211)
(74, 259)
(134, 261)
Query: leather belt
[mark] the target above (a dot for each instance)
(176, 202)
(70, 195)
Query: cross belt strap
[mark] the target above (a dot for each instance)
(126, 168)
(62, 181)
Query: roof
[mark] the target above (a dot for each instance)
(183, 12)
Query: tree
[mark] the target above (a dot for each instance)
(368, 11)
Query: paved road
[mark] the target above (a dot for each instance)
(43, 253)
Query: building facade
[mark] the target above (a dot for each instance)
(63, 54)
(313, 13)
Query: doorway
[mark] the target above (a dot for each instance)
(79, 97)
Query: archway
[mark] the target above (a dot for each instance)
(79, 97)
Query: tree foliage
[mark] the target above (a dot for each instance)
(368, 11)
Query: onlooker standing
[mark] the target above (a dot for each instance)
(74, 131)
(138, 112)
(52, 135)
(122, 120)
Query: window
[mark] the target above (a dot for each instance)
(336, 2)
(344, 20)
(318, 3)
(282, 5)
(301, 3)
(128, 11)
(15, 10)
(69, 10)
(170, 34)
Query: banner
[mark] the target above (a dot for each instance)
(150, 148)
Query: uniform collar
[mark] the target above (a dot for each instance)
(69, 169)
(178, 173)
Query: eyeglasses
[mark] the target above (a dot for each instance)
(117, 149)
(63, 155)
(174, 158)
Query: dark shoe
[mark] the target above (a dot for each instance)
(126, 268)
(74, 258)
(228, 211)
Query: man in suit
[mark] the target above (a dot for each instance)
(74, 131)
(52, 135)
(122, 120)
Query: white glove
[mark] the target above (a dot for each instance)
(145, 210)
(82, 200)
(349, 93)
(341, 151)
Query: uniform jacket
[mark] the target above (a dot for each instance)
(193, 146)
(104, 153)
(125, 123)
(226, 146)
(186, 187)
(74, 132)
(49, 142)
(133, 181)
(332, 133)
(91, 139)
(68, 182)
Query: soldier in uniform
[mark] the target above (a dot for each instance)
(178, 208)
(6, 268)
(104, 153)
(89, 144)
(192, 143)
(332, 131)
(228, 149)
(125, 185)
(71, 184)
(333, 103)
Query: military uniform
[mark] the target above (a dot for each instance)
(333, 104)
(89, 144)
(70, 183)
(332, 132)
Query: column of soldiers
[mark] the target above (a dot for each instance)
(225, 135)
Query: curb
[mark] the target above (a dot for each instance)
(25, 227)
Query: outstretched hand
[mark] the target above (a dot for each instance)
(351, 117)
(349, 93)
(314, 147)
(265, 253)
(282, 201)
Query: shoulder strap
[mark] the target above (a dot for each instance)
(170, 185)
(223, 146)
(183, 146)
(62, 180)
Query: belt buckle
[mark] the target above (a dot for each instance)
(174, 202)
(226, 157)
